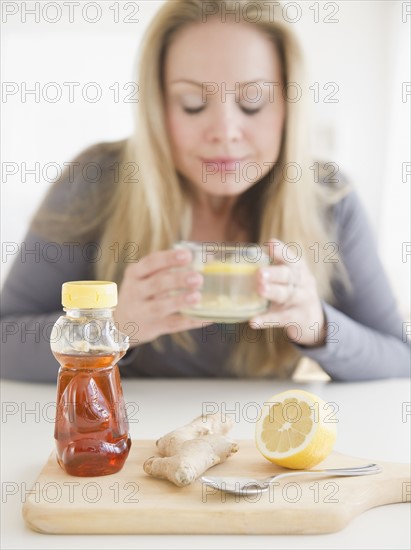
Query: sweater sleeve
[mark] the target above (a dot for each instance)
(31, 295)
(366, 337)
(31, 304)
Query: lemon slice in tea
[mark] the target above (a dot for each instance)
(217, 268)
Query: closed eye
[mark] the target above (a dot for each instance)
(193, 111)
(250, 111)
(199, 109)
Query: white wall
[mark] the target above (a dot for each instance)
(394, 230)
(368, 131)
(364, 53)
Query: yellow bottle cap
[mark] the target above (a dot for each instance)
(89, 294)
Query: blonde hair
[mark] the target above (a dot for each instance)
(281, 209)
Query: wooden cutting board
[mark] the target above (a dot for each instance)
(133, 502)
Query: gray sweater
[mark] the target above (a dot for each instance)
(369, 341)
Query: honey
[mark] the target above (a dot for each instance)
(91, 429)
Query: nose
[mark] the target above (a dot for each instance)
(224, 123)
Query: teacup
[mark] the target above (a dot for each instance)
(229, 293)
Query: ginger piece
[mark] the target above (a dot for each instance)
(189, 451)
(169, 444)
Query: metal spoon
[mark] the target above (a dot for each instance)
(250, 486)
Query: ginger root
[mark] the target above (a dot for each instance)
(189, 451)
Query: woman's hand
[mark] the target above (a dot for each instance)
(294, 300)
(145, 309)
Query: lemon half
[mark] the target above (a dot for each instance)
(295, 429)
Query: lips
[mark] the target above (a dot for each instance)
(224, 163)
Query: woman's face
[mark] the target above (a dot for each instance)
(207, 123)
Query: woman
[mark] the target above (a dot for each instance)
(185, 174)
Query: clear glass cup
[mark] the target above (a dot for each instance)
(229, 293)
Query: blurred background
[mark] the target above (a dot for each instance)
(358, 59)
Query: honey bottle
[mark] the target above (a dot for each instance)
(91, 426)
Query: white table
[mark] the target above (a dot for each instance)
(372, 423)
